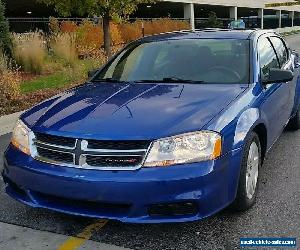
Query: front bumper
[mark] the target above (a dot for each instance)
(123, 195)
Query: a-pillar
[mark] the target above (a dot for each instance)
(189, 13)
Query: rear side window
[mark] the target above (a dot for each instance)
(281, 50)
(267, 57)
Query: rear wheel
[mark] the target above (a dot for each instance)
(249, 174)
(294, 123)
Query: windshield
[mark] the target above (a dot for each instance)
(190, 60)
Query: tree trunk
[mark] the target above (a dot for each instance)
(106, 33)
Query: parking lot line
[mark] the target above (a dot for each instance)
(75, 242)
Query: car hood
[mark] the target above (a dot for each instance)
(131, 111)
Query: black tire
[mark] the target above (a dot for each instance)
(242, 201)
(294, 123)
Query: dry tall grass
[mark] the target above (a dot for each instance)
(89, 38)
(9, 81)
(3, 62)
(131, 31)
(30, 52)
(116, 34)
(10, 85)
(64, 47)
(164, 25)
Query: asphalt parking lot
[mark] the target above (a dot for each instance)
(276, 213)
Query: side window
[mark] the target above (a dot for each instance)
(267, 57)
(281, 50)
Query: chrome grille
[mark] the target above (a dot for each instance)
(118, 145)
(55, 140)
(55, 156)
(90, 154)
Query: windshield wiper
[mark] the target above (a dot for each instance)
(164, 80)
(176, 79)
(170, 80)
(109, 80)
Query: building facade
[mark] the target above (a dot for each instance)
(27, 15)
(261, 6)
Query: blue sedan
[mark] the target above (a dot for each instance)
(173, 128)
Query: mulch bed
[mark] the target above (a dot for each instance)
(26, 101)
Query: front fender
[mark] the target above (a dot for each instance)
(235, 133)
(245, 123)
(238, 119)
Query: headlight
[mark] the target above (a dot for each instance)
(20, 138)
(185, 148)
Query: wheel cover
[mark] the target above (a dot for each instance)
(252, 170)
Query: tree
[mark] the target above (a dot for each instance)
(213, 21)
(105, 8)
(5, 39)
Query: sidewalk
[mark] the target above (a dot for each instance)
(8, 122)
(16, 237)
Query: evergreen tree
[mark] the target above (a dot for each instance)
(5, 38)
(213, 21)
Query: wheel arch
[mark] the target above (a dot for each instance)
(261, 130)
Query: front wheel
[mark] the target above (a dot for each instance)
(249, 174)
(294, 123)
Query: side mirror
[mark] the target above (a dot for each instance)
(279, 76)
(91, 73)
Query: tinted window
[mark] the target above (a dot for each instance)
(207, 60)
(281, 50)
(267, 57)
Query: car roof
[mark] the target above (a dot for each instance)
(242, 34)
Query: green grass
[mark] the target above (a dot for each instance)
(61, 78)
(56, 80)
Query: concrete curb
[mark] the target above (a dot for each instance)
(8, 122)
